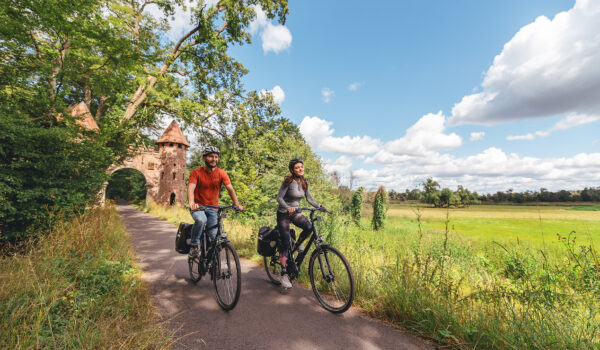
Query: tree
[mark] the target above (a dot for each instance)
(379, 208)
(114, 56)
(356, 205)
(431, 192)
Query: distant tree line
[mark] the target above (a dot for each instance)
(432, 194)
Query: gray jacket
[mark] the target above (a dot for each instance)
(289, 196)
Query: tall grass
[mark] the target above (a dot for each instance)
(462, 293)
(77, 288)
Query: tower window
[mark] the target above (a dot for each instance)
(179, 145)
(162, 175)
(171, 145)
(174, 174)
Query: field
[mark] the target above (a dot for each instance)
(485, 277)
(538, 225)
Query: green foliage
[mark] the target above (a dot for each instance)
(128, 184)
(356, 205)
(379, 208)
(43, 170)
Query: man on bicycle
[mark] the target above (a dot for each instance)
(204, 186)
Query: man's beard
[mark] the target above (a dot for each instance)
(211, 166)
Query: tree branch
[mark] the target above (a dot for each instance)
(37, 48)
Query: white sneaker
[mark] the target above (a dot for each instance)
(285, 282)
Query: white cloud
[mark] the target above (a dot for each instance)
(274, 38)
(570, 121)
(489, 171)
(476, 136)
(425, 136)
(549, 68)
(318, 133)
(341, 165)
(354, 86)
(277, 92)
(327, 94)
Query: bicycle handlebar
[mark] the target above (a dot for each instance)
(218, 207)
(321, 209)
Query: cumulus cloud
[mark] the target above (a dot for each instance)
(274, 38)
(549, 68)
(476, 136)
(488, 171)
(341, 165)
(570, 121)
(354, 86)
(327, 94)
(425, 136)
(277, 92)
(318, 133)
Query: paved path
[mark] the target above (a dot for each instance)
(264, 318)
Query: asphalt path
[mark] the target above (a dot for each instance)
(265, 317)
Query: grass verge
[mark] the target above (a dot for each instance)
(78, 288)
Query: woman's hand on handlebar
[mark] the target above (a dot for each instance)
(323, 209)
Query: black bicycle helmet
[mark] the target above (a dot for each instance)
(210, 149)
(294, 162)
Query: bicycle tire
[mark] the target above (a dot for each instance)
(271, 269)
(195, 269)
(331, 279)
(227, 276)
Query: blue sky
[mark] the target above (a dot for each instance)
(488, 94)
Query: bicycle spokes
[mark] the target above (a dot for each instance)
(227, 276)
(331, 279)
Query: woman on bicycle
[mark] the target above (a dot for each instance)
(292, 190)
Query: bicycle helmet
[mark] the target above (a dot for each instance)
(210, 149)
(294, 162)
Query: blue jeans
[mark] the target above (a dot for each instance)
(203, 218)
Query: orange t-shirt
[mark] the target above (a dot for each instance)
(208, 185)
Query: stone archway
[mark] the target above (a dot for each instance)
(164, 168)
(147, 162)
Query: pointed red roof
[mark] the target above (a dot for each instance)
(173, 134)
(82, 114)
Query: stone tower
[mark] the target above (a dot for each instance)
(172, 147)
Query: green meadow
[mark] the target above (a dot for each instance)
(534, 225)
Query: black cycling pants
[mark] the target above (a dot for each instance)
(283, 226)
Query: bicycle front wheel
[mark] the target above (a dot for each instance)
(331, 279)
(195, 269)
(227, 276)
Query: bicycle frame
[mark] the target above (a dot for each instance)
(207, 249)
(314, 238)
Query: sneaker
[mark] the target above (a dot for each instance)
(285, 282)
(194, 252)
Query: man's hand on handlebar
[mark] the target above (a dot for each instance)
(238, 207)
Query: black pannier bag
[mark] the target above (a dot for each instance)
(183, 237)
(267, 241)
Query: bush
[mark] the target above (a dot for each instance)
(45, 169)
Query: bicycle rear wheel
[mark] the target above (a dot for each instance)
(273, 268)
(227, 276)
(195, 269)
(331, 279)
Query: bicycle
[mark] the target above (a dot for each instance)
(224, 266)
(330, 274)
